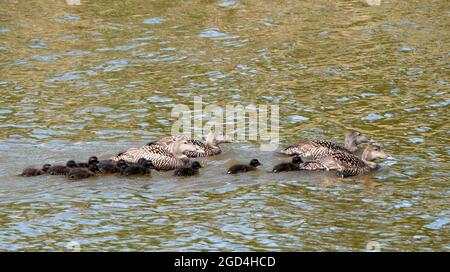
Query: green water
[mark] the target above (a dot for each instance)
(103, 76)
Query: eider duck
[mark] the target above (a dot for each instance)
(210, 147)
(240, 168)
(142, 167)
(31, 172)
(62, 169)
(318, 148)
(346, 164)
(164, 158)
(288, 166)
(188, 171)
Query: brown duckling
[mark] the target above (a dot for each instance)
(80, 173)
(188, 171)
(62, 169)
(142, 167)
(288, 166)
(240, 168)
(31, 172)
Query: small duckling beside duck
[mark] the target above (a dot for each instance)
(188, 171)
(242, 168)
(288, 166)
(80, 173)
(62, 170)
(142, 167)
(32, 172)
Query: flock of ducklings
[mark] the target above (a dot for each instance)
(175, 153)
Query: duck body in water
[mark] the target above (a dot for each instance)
(210, 147)
(163, 158)
(242, 168)
(346, 164)
(319, 148)
(32, 172)
(80, 173)
(188, 171)
(288, 166)
(62, 169)
(142, 167)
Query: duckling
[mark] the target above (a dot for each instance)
(62, 169)
(164, 158)
(31, 172)
(188, 171)
(318, 148)
(288, 166)
(109, 166)
(346, 164)
(240, 168)
(142, 167)
(210, 147)
(92, 160)
(80, 173)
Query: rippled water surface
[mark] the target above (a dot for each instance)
(97, 78)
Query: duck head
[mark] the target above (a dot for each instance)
(353, 139)
(255, 163)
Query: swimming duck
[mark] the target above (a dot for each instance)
(110, 166)
(164, 158)
(80, 173)
(240, 168)
(210, 147)
(288, 166)
(31, 172)
(188, 171)
(318, 148)
(62, 169)
(346, 164)
(92, 160)
(142, 167)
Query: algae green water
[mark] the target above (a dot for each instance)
(103, 76)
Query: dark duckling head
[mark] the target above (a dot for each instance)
(255, 163)
(297, 160)
(122, 164)
(196, 165)
(93, 160)
(71, 164)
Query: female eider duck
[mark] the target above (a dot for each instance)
(210, 147)
(164, 158)
(347, 164)
(241, 168)
(32, 172)
(288, 166)
(318, 148)
(188, 171)
(142, 167)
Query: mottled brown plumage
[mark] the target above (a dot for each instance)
(319, 148)
(164, 158)
(347, 164)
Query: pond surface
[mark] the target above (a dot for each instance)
(103, 76)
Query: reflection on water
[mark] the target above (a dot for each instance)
(99, 77)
